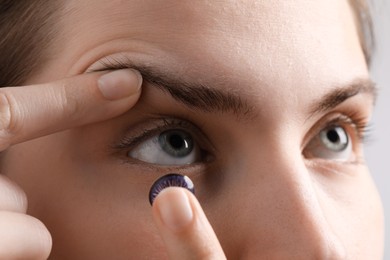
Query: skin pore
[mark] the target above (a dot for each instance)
(275, 73)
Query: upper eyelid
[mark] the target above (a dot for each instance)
(160, 124)
(355, 105)
(359, 124)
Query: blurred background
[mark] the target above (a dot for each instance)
(378, 146)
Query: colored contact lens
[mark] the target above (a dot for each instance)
(170, 180)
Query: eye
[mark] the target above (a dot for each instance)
(331, 143)
(169, 147)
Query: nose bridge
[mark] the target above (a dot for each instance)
(286, 208)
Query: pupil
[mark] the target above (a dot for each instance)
(333, 136)
(176, 141)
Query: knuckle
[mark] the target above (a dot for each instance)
(8, 120)
(70, 104)
(207, 254)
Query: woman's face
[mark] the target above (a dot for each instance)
(271, 98)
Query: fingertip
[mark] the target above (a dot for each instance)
(44, 239)
(23, 237)
(120, 84)
(184, 227)
(174, 209)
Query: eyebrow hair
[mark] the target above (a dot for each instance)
(207, 99)
(339, 94)
(194, 95)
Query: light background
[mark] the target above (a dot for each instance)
(378, 147)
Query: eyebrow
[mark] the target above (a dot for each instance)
(340, 94)
(212, 100)
(193, 95)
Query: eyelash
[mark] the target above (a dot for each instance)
(353, 122)
(161, 125)
(358, 123)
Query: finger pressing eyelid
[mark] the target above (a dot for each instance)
(183, 226)
(120, 84)
(32, 111)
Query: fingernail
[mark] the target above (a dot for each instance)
(120, 84)
(174, 208)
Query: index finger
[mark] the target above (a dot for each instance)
(37, 110)
(184, 227)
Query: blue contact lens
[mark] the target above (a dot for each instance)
(170, 180)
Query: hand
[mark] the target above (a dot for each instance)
(32, 111)
(183, 226)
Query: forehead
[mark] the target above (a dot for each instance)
(259, 40)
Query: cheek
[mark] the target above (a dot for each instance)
(372, 221)
(356, 215)
(93, 211)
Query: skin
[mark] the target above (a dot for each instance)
(265, 189)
